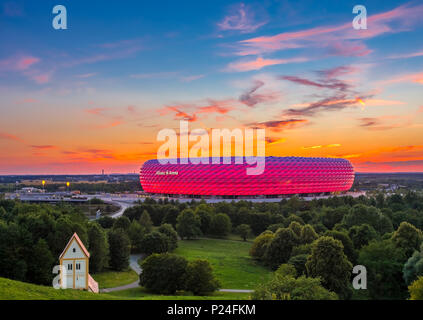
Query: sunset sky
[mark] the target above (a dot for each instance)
(95, 96)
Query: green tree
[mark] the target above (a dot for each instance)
(362, 235)
(299, 261)
(260, 244)
(188, 224)
(200, 279)
(279, 250)
(136, 233)
(206, 216)
(122, 222)
(296, 227)
(99, 251)
(384, 262)
(120, 249)
(308, 235)
(331, 216)
(41, 266)
(164, 273)
(287, 287)
(145, 221)
(154, 242)
(346, 243)
(328, 262)
(407, 237)
(416, 289)
(413, 267)
(244, 230)
(220, 225)
(171, 235)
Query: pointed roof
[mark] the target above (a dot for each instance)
(81, 245)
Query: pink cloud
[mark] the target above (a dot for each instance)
(241, 19)
(258, 63)
(404, 17)
(19, 63)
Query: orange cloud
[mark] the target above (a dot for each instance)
(8, 136)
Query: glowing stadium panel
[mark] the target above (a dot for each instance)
(282, 175)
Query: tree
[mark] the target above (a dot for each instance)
(106, 222)
(284, 286)
(407, 237)
(164, 273)
(296, 227)
(328, 261)
(384, 262)
(362, 214)
(41, 266)
(362, 235)
(154, 242)
(206, 216)
(120, 249)
(200, 279)
(299, 261)
(188, 224)
(136, 233)
(279, 250)
(346, 243)
(122, 222)
(260, 244)
(171, 216)
(413, 267)
(244, 230)
(145, 221)
(170, 233)
(416, 289)
(99, 251)
(220, 225)
(308, 235)
(332, 216)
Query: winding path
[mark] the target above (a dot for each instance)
(133, 264)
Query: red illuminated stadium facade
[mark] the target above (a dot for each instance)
(282, 176)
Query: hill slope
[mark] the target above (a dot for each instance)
(16, 290)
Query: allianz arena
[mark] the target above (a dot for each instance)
(282, 176)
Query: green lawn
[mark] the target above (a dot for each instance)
(142, 294)
(16, 290)
(111, 279)
(231, 262)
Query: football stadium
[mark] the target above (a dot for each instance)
(282, 176)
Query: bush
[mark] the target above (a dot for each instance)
(199, 278)
(164, 273)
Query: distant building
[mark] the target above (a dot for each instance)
(74, 261)
(30, 190)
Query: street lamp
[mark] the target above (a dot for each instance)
(43, 183)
